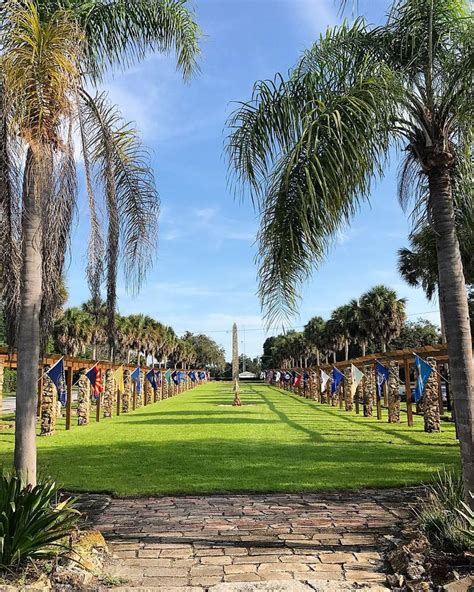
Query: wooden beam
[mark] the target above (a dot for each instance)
(408, 393)
(69, 397)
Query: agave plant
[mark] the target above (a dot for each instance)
(32, 524)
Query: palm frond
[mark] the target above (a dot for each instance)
(58, 215)
(309, 148)
(123, 32)
(10, 221)
(122, 168)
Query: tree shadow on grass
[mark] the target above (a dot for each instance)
(218, 465)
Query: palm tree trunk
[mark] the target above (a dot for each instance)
(28, 344)
(364, 348)
(453, 301)
(346, 349)
(442, 322)
(317, 358)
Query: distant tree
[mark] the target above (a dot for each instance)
(314, 335)
(416, 334)
(208, 353)
(384, 313)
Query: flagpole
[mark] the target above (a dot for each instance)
(434, 369)
(51, 367)
(86, 373)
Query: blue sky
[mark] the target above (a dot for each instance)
(204, 276)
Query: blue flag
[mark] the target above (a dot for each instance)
(382, 373)
(135, 376)
(174, 377)
(424, 371)
(57, 376)
(192, 376)
(151, 377)
(337, 378)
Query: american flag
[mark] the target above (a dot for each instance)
(96, 381)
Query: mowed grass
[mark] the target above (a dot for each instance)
(198, 443)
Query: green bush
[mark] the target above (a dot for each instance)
(442, 514)
(9, 381)
(32, 523)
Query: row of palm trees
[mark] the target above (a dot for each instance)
(374, 320)
(83, 331)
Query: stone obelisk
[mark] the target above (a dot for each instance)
(235, 366)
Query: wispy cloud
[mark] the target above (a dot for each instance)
(316, 14)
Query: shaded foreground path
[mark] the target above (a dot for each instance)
(196, 542)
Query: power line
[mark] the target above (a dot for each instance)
(295, 327)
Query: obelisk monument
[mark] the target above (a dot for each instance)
(235, 366)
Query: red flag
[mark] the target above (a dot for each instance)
(96, 381)
(297, 380)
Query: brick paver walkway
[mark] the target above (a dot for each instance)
(200, 541)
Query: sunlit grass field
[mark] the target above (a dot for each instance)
(198, 443)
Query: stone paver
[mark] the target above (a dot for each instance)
(193, 543)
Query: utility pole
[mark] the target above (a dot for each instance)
(235, 366)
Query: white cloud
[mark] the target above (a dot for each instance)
(316, 14)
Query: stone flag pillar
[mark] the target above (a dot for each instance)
(348, 389)
(49, 406)
(108, 395)
(148, 392)
(83, 399)
(393, 394)
(127, 391)
(430, 401)
(369, 391)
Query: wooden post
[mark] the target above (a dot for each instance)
(134, 396)
(40, 392)
(385, 394)
(97, 408)
(69, 397)
(357, 408)
(440, 390)
(379, 407)
(408, 393)
(119, 401)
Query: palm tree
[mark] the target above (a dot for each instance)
(51, 51)
(310, 146)
(384, 314)
(360, 325)
(73, 332)
(314, 331)
(418, 265)
(342, 317)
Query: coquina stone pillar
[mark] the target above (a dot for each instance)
(165, 386)
(127, 391)
(429, 403)
(393, 394)
(140, 393)
(148, 392)
(348, 389)
(83, 399)
(369, 391)
(108, 398)
(49, 406)
(159, 388)
(313, 386)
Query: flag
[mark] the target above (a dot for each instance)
(337, 378)
(356, 376)
(58, 377)
(168, 376)
(135, 376)
(181, 376)
(382, 373)
(192, 376)
(151, 377)
(118, 375)
(158, 378)
(96, 381)
(324, 380)
(174, 377)
(424, 371)
(296, 379)
(287, 377)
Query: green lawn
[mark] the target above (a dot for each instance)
(197, 442)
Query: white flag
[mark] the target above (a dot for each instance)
(356, 376)
(324, 380)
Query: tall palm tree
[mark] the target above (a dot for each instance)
(51, 51)
(310, 146)
(359, 324)
(384, 314)
(342, 318)
(314, 331)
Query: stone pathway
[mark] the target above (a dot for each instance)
(196, 542)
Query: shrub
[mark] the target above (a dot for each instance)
(442, 515)
(32, 523)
